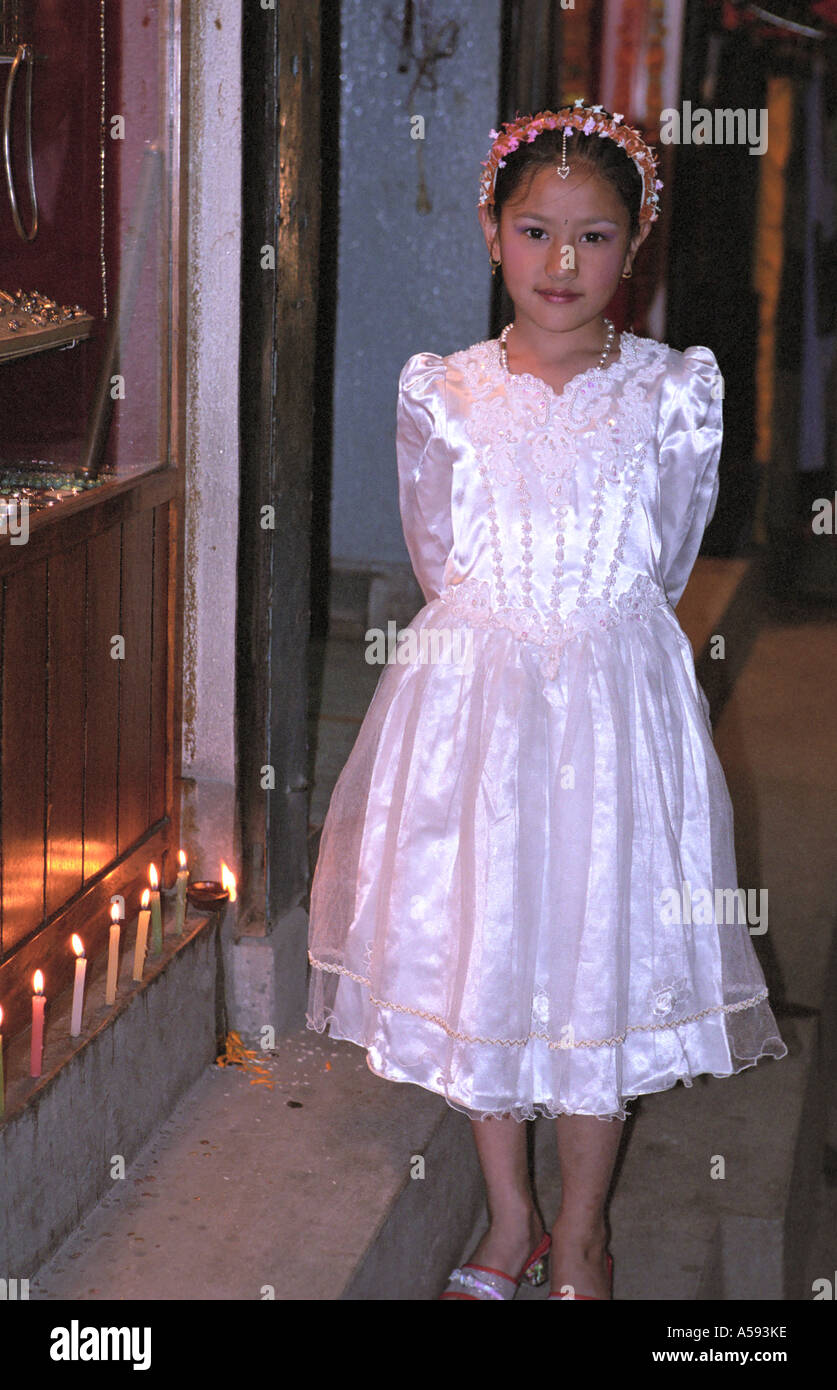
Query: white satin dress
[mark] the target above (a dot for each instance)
(491, 909)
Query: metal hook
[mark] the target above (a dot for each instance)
(24, 52)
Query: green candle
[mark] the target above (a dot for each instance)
(156, 914)
(180, 895)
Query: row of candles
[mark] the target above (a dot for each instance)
(151, 915)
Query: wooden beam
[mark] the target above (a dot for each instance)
(281, 210)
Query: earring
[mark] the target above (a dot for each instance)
(494, 265)
(626, 274)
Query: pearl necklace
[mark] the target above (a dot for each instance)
(609, 337)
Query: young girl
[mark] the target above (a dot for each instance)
(500, 909)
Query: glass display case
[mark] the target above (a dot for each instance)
(90, 482)
(85, 239)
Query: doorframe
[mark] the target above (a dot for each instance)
(280, 210)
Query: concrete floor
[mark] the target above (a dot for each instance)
(289, 1190)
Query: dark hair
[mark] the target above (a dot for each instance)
(604, 155)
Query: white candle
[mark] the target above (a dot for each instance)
(180, 898)
(78, 986)
(142, 934)
(36, 1054)
(113, 956)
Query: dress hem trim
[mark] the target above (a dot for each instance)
(563, 1045)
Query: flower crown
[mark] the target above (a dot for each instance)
(589, 120)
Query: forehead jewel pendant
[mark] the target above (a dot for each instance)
(563, 168)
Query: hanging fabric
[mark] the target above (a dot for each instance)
(640, 76)
(767, 276)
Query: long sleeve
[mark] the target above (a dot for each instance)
(689, 437)
(424, 469)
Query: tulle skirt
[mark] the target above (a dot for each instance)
(525, 896)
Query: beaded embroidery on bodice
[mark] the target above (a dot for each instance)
(525, 435)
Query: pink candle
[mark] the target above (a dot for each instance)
(38, 1005)
(78, 986)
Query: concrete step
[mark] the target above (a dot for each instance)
(330, 1183)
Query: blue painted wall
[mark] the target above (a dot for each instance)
(408, 281)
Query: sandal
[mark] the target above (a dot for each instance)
(493, 1283)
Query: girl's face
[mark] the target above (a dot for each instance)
(563, 244)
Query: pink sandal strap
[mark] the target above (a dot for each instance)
(484, 1280)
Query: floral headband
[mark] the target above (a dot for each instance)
(589, 120)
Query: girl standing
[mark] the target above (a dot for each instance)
(499, 908)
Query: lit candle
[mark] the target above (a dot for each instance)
(78, 986)
(38, 1005)
(180, 898)
(2, 1083)
(156, 913)
(228, 880)
(113, 955)
(142, 934)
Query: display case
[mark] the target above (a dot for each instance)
(90, 469)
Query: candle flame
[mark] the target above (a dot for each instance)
(182, 857)
(146, 898)
(1, 1015)
(152, 876)
(77, 944)
(38, 982)
(114, 912)
(228, 880)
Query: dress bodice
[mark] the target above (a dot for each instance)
(519, 499)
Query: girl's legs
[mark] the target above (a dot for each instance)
(516, 1226)
(587, 1149)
